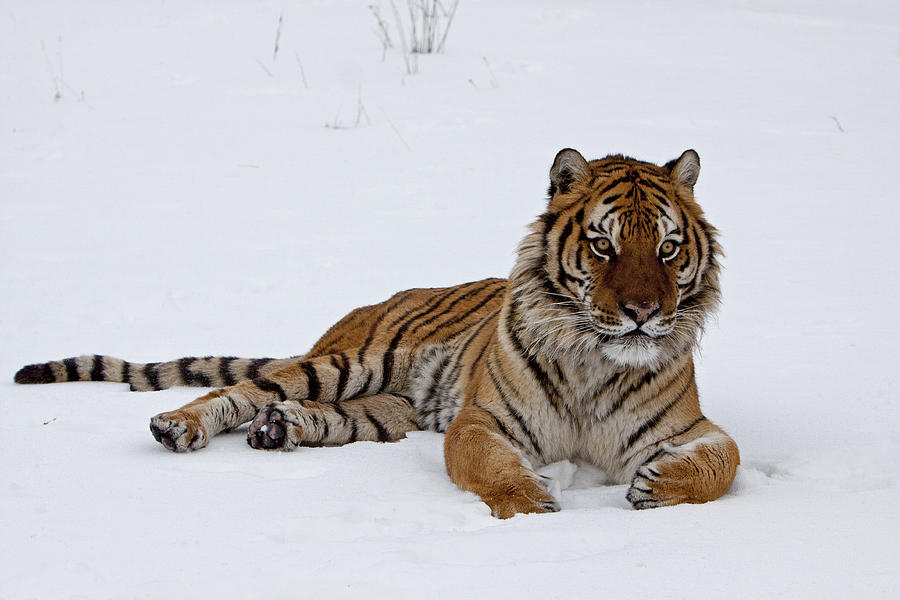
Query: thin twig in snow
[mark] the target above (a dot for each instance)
(382, 32)
(277, 36)
(302, 72)
(263, 67)
(412, 62)
(449, 15)
(361, 110)
(494, 83)
(335, 124)
(57, 80)
(397, 131)
(838, 123)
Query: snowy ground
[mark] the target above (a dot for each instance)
(183, 196)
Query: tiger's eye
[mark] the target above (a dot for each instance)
(668, 249)
(602, 244)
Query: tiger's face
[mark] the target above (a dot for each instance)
(628, 258)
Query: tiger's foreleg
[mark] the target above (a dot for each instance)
(328, 378)
(481, 459)
(696, 470)
(290, 424)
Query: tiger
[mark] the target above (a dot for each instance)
(584, 353)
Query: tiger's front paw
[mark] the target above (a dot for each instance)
(275, 427)
(665, 481)
(522, 500)
(177, 432)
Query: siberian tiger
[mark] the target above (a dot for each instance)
(585, 352)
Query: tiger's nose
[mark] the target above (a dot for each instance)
(640, 312)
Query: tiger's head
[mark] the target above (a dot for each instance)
(622, 262)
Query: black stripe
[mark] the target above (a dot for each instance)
(225, 370)
(325, 428)
(387, 361)
(611, 199)
(560, 376)
(506, 433)
(470, 312)
(512, 410)
(408, 400)
(362, 350)
(612, 380)
(383, 435)
(267, 385)
(97, 369)
(663, 388)
(184, 368)
(679, 433)
(354, 432)
(190, 377)
(461, 352)
(126, 372)
(237, 411)
(561, 243)
(551, 285)
(652, 185)
(702, 245)
(381, 317)
(152, 375)
(645, 380)
(365, 386)
(611, 185)
(579, 266)
(458, 355)
(536, 370)
(650, 423)
(343, 368)
(312, 380)
(438, 296)
(450, 306)
(203, 379)
(437, 374)
(254, 367)
(49, 376)
(480, 355)
(340, 410)
(71, 369)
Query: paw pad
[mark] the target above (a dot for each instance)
(271, 430)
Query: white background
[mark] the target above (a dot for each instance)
(183, 196)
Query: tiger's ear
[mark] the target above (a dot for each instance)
(568, 166)
(685, 169)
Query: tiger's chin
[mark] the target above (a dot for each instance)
(634, 351)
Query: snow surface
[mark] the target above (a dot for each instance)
(178, 199)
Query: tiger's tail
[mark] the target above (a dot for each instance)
(210, 371)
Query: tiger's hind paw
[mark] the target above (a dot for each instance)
(275, 428)
(176, 433)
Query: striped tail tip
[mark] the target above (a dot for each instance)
(39, 373)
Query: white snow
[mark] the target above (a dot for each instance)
(178, 200)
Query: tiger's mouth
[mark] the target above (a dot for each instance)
(636, 333)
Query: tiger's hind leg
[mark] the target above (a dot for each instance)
(286, 425)
(324, 379)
